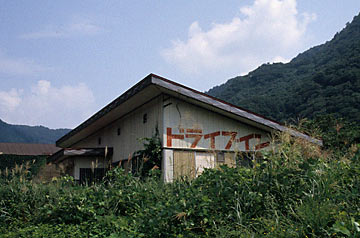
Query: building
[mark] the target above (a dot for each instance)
(27, 149)
(197, 131)
(12, 154)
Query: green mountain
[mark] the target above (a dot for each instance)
(322, 80)
(29, 134)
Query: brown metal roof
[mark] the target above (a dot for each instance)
(164, 85)
(28, 149)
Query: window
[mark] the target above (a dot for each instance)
(225, 158)
(99, 141)
(145, 118)
(220, 157)
(88, 175)
(118, 131)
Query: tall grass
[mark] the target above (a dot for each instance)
(295, 190)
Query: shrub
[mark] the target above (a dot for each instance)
(295, 190)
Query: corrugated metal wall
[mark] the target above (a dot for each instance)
(189, 126)
(192, 136)
(195, 138)
(130, 128)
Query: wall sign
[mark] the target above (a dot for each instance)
(197, 136)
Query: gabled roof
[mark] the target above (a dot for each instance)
(27, 149)
(154, 85)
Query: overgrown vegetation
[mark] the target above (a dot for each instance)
(337, 134)
(147, 162)
(32, 163)
(297, 190)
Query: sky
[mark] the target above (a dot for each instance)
(62, 61)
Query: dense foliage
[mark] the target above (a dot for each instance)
(336, 133)
(31, 163)
(322, 80)
(296, 190)
(148, 160)
(29, 134)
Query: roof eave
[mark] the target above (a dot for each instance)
(111, 106)
(170, 86)
(227, 107)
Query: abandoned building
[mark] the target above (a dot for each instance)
(196, 131)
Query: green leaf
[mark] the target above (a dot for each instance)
(340, 228)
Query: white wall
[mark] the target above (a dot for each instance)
(82, 162)
(185, 123)
(131, 127)
(168, 165)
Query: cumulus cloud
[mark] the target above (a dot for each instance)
(9, 101)
(44, 104)
(267, 31)
(79, 27)
(20, 66)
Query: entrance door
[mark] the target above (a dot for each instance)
(88, 175)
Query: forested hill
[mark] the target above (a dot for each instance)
(322, 80)
(29, 134)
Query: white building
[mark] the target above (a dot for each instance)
(197, 131)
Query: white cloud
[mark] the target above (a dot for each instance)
(44, 104)
(9, 101)
(20, 66)
(280, 59)
(79, 27)
(267, 31)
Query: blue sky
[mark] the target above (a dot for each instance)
(61, 61)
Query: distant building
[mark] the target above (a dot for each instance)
(27, 149)
(197, 131)
(20, 153)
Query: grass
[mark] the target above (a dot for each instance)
(295, 190)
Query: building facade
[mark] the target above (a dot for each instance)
(196, 131)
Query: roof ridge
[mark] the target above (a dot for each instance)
(177, 87)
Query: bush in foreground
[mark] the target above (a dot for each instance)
(296, 190)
